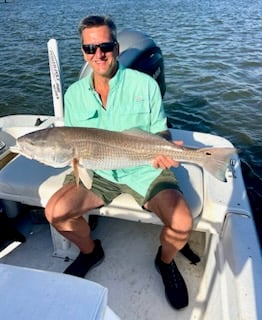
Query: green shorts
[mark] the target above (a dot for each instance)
(108, 190)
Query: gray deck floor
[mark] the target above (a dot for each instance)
(135, 288)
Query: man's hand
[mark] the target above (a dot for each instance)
(164, 162)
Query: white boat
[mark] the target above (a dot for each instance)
(225, 284)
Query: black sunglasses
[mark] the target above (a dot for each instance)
(104, 47)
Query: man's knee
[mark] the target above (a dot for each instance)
(182, 218)
(182, 222)
(179, 227)
(58, 205)
(50, 214)
(172, 208)
(179, 218)
(54, 212)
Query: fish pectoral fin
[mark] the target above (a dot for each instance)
(75, 165)
(82, 173)
(86, 177)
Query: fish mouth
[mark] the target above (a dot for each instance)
(17, 149)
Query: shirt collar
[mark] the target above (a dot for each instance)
(112, 82)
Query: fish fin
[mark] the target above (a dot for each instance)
(216, 160)
(86, 177)
(75, 166)
(136, 132)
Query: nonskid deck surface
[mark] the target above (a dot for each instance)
(135, 288)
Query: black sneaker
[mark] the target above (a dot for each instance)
(190, 254)
(85, 261)
(175, 286)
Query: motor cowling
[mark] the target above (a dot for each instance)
(138, 51)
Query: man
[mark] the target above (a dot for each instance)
(115, 98)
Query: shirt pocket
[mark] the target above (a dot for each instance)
(136, 115)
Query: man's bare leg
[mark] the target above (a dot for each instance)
(65, 212)
(173, 210)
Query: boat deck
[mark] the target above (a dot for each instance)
(135, 288)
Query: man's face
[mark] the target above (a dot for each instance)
(103, 63)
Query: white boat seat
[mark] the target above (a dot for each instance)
(29, 182)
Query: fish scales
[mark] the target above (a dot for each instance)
(114, 150)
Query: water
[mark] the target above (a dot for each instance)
(213, 62)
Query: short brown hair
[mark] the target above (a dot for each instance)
(97, 21)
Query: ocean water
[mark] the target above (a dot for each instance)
(212, 52)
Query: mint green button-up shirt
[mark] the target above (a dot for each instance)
(134, 101)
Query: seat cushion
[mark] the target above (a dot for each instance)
(24, 289)
(30, 182)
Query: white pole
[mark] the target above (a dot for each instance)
(56, 79)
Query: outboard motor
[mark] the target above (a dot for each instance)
(138, 51)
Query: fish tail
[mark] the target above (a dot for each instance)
(217, 160)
